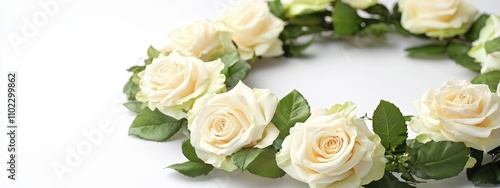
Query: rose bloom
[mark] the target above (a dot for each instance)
(172, 83)
(461, 112)
(489, 62)
(298, 7)
(254, 29)
(360, 4)
(333, 149)
(437, 18)
(201, 39)
(222, 124)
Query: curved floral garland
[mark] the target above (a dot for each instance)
(193, 84)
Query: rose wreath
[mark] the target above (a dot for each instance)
(194, 85)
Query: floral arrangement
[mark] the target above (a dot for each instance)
(194, 85)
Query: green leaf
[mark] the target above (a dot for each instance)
(377, 29)
(380, 10)
(388, 181)
(154, 125)
(292, 109)
(400, 29)
(312, 19)
(458, 52)
(389, 124)
(475, 29)
(136, 69)
(292, 32)
(492, 45)
(185, 130)
(455, 50)
(192, 169)
(408, 117)
(277, 143)
(438, 160)
(243, 158)
(484, 174)
(265, 165)
(277, 9)
(237, 72)
(134, 106)
(189, 152)
(345, 20)
(468, 62)
(396, 21)
(230, 59)
(296, 50)
(491, 79)
(153, 53)
(130, 89)
(427, 49)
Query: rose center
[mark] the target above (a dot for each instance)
(462, 98)
(328, 146)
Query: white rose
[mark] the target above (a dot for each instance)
(437, 18)
(360, 4)
(172, 83)
(254, 29)
(222, 124)
(490, 31)
(298, 7)
(201, 39)
(333, 149)
(461, 112)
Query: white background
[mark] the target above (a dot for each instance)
(71, 70)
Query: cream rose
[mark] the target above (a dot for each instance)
(489, 62)
(360, 4)
(298, 7)
(201, 39)
(437, 18)
(461, 112)
(172, 83)
(222, 124)
(254, 29)
(333, 149)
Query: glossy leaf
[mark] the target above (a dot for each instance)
(292, 109)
